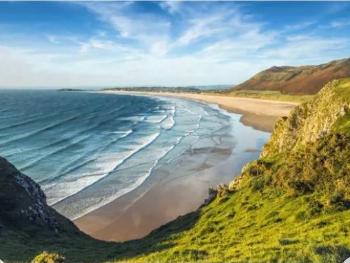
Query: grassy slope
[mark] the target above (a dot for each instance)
(291, 205)
(269, 95)
(258, 226)
(22, 246)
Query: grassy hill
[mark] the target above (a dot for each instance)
(296, 80)
(290, 205)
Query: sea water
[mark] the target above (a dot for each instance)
(88, 149)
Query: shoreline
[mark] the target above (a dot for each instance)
(261, 114)
(157, 202)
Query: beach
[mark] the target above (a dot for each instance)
(158, 200)
(260, 114)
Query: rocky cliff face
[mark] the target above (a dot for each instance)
(297, 80)
(28, 226)
(23, 203)
(312, 120)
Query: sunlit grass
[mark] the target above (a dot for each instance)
(270, 95)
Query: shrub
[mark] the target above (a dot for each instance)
(223, 190)
(272, 214)
(338, 201)
(46, 257)
(315, 207)
(258, 184)
(332, 253)
(231, 214)
(300, 187)
(336, 198)
(254, 171)
(286, 241)
(301, 216)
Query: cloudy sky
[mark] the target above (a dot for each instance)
(63, 44)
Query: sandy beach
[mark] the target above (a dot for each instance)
(158, 201)
(258, 113)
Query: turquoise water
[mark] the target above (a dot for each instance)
(88, 149)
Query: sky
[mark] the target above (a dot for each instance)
(104, 44)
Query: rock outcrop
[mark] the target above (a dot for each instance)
(312, 120)
(23, 203)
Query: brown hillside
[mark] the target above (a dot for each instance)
(297, 80)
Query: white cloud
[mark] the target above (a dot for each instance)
(143, 27)
(211, 46)
(339, 23)
(171, 6)
(26, 69)
(94, 43)
(52, 39)
(303, 48)
(299, 26)
(199, 28)
(210, 23)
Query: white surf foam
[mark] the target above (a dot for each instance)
(99, 202)
(103, 166)
(168, 123)
(155, 119)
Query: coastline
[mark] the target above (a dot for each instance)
(157, 202)
(260, 114)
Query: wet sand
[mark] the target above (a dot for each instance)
(136, 214)
(158, 201)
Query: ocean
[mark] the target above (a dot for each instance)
(88, 149)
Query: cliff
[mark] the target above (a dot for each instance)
(28, 225)
(23, 203)
(309, 122)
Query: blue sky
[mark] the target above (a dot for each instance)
(62, 44)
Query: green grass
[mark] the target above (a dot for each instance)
(343, 92)
(243, 226)
(343, 88)
(268, 217)
(22, 246)
(259, 226)
(270, 95)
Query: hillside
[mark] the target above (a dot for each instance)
(297, 80)
(290, 205)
